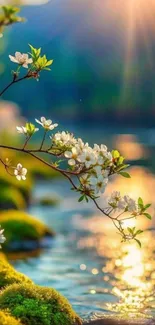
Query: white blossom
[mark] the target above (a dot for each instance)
(123, 203)
(130, 204)
(98, 184)
(64, 138)
(20, 172)
(102, 153)
(115, 196)
(87, 157)
(116, 201)
(2, 238)
(81, 145)
(46, 124)
(21, 59)
(72, 155)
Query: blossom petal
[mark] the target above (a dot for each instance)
(43, 120)
(38, 121)
(24, 171)
(25, 65)
(18, 55)
(68, 154)
(71, 162)
(13, 59)
(19, 166)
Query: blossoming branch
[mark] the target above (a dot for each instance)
(87, 168)
(32, 61)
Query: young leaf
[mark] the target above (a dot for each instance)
(125, 174)
(86, 198)
(147, 206)
(138, 232)
(130, 230)
(138, 242)
(115, 154)
(140, 202)
(81, 198)
(147, 215)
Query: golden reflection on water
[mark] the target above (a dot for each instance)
(129, 147)
(128, 269)
(129, 272)
(134, 271)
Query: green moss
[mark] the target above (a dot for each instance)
(8, 275)
(36, 305)
(11, 198)
(6, 319)
(21, 226)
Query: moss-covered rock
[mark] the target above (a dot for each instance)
(8, 275)
(49, 201)
(35, 305)
(6, 319)
(22, 230)
(11, 198)
(2, 257)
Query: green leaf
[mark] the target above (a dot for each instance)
(130, 230)
(30, 128)
(121, 159)
(147, 206)
(125, 174)
(49, 63)
(47, 69)
(35, 53)
(115, 154)
(138, 232)
(81, 198)
(147, 215)
(138, 242)
(121, 167)
(140, 202)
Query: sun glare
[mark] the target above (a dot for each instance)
(128, 22)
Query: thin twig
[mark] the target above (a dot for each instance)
(13, 82)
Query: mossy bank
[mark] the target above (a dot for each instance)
(35, 305)
(23, 231)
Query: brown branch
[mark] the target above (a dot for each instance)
(32, 152)
(15, 80)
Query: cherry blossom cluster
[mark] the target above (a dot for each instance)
(87, 168)
(93, 164)
(125, 203)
